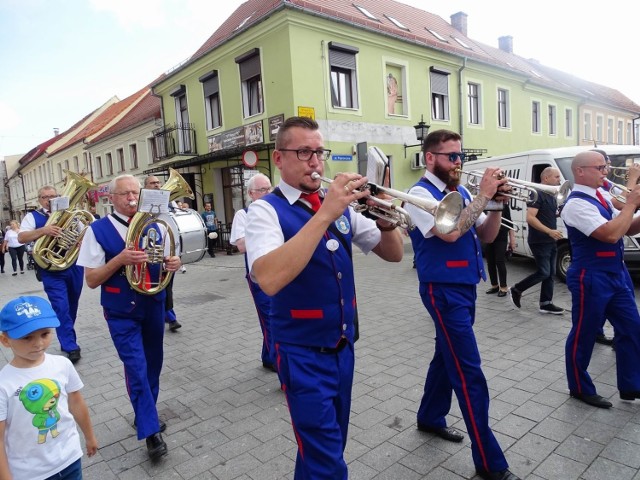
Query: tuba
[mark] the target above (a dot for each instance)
(151, 277)
(59, 253)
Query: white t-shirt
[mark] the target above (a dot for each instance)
(581, 214)
(11, 237)
(238, 226)
(31, 398)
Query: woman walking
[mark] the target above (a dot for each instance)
(16, 249)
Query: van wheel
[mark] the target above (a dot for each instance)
(563, 261)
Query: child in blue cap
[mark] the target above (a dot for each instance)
(40, 399)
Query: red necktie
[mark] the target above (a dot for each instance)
(313, 199)
(602, 200)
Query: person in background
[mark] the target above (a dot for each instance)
(135, 320)
(2, 250)
(63, 287)
(257, 187)
(211, 221)
(599, 281)
(543, 237)
(40, 399)
(449, 267)
(16, 249)
(299, 252)
(92, 210)
(496, 253)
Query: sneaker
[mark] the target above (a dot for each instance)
(175, 325)
(552, 309)
(183, 269)
(515, 296)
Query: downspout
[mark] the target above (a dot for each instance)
(461, 97)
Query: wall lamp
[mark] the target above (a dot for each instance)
(422, 129)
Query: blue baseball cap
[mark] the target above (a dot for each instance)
(24, 315)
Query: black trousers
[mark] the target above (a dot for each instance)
(17, 256)
(496, 262)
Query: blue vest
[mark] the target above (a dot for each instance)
(588, 252)
(447, 262)
(317, 308)
(40, 218)
(117, 295)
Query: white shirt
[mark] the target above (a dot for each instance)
(263, 233)
(238, 226)
(583, 215)
(422, 219)
(11, 237)
(28, 223)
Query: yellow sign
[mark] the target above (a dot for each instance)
(307, 112)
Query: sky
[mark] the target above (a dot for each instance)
(60, 60)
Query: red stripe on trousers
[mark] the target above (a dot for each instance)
(577, 336)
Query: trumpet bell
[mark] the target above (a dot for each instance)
(448, 211)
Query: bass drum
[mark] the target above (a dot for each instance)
(190, 234)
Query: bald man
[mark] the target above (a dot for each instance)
(598, 280)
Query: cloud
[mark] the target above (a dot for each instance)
(147, 14)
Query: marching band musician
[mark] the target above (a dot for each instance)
(135, 321)
(63, 287)
(299, 252)
(449, 267)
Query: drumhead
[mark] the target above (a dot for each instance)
(190, 233)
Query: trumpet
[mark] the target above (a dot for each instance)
(506, 223)
(446, 212)
(523, 191)
(616, 190)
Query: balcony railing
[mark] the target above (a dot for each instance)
(176, 139)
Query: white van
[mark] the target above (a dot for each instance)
(528, 165)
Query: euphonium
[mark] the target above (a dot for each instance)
(151, 277)
(59, 253)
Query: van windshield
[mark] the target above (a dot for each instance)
(564, 164)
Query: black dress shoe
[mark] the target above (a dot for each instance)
(502, 294)
(163, 426)
(492, 290)
(269, 366)
(604, 340)
(446, 433)
(594, 400)
(503, 475)
(175, 325)
(630, 395)
(156, 448)
(74, 355)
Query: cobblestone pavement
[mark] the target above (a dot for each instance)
(227, 419)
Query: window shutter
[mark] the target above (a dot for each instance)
(439, 84)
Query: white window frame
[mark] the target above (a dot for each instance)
(504, 118)
(535, 117)
(343, 76)
(474, 103)
(568, 122)
(439, 94)
(552, 113)
(250, 71)
(212, 100)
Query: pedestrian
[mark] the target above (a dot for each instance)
(257, 187)
(2, 250)
(599, 281)
(543, 236)
(135, 320)
(299, 252)
(496, 253)
(211, 221)
(40, 399)
(16, 249)
(449, 267)
(92, 210)
(63, 287)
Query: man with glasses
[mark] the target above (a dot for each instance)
(599, 281)
(298, 241)
(449, 268)
(135, 321)
(257, 187)
(63, 287)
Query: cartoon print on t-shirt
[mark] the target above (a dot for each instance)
(41, 397)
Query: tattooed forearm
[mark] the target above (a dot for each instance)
(471, 213)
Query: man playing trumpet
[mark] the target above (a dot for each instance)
(449, 268)
(135, 321)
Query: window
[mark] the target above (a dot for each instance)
(99, 167)
(211, 88)
(437, 35)
(342, 62)
(629, 137)
(439, 94)
(66, 165)
(251, 83)
(109, 164)
(587, 126)
(473, 95)
(60, 174)
(535, 117)
(85, 162)
(610, 130)
(76, 164)
(152, 150)
(183, 131)
(395, 87)
(503, 108)
(620, 132)
(120, 159)
(552, 120)
(397, 22)
(133, 155)
(366, 13)
(568, 122)
(599, 128)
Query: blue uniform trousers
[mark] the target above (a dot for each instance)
(631, 286)
(596, 295)
(262, 302)
(63, 288)
(318, 391)
(138, 337)
(456, 366)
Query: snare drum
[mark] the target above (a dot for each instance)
(190, 234)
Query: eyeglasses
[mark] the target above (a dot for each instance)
(261, 190)
(154, 183)
(601, 168)
(305, 154)
(48, 197)
(126, 194)
(453, 156)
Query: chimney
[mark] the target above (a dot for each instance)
(459, 22)
(56, 131)
(506, 43)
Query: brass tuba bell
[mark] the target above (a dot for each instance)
(59, 253)
(151, 277)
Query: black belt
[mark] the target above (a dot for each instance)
(341, 344)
